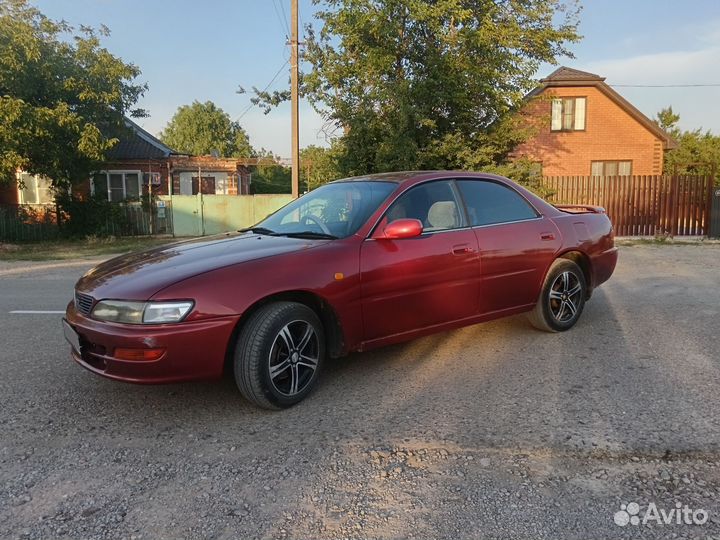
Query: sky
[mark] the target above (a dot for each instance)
(189, 50)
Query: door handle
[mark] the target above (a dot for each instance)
(547, 236)
(462, 249)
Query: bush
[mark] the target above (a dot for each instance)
(95, 216)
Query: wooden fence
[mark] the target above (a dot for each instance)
(641, 205)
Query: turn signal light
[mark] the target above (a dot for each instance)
(141, 355)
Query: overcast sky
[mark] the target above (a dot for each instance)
(192, 50)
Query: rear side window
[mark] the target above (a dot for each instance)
(489, 202)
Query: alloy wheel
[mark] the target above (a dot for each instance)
(565, 297)
(294, 357)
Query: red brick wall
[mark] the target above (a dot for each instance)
(610, 134)
(8, 193)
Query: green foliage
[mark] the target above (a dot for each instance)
(201, 128)
(428, 85)
(319, 165)
(63, 96)
(668, 120)
(698, 151)
(95, 215)
(270, 176)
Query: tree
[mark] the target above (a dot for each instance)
(202, 128)
(428, 84)
(698, 152)
(63, 97)
(319, 165)
(668, 121)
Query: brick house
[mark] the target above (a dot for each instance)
(137, 163)
(583, 127)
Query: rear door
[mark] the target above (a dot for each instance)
(414, 283)
(516, 244)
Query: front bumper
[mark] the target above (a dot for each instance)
(193, 350)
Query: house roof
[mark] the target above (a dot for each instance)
(569, 74)
(138, 144)
(565, 76)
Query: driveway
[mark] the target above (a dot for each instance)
(496, 430)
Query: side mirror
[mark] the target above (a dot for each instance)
(402, 228)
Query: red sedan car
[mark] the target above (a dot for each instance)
(356, 264)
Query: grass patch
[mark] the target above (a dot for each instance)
(78, 249)
(665, 241)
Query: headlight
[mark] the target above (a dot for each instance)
(166, 312)
(141, 312)
(119, 311)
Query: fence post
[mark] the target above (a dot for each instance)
(709, 207)
(674, 205)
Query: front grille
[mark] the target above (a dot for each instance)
(83, 303)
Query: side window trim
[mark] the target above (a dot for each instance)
(538, 214)
(462, 203)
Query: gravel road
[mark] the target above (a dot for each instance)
(492, 431)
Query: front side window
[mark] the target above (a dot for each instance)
(117, 186)
(339, 209)
(433, 203)
(568, 114)
(611, 168)
(489, 203)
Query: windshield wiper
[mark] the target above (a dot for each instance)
(309, 234)
(259, 230)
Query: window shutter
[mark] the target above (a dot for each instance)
(580, 113)
(556, 124)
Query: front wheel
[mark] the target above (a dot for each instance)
(279, 354)
(562, 298)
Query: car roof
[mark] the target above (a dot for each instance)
(403, 176)
(381, 177)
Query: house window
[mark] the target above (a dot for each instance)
(611, 168)
(206, 185)
(34, 189)
(568, 114)
(117, 186)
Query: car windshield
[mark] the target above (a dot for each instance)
(334, 210)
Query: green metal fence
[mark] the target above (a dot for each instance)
(28, 223)
(180, 215)
(200, 215)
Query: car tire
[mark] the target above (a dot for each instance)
(279, 354)
(561, 299)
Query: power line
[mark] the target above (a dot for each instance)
(282, 7)
(284, 26)
(664, 85)
(263, 90)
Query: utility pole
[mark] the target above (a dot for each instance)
(295, 98)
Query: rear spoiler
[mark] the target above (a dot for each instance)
(580, 208)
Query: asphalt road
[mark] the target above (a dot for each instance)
(496, 430)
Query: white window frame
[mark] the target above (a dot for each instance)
(124, 172)
(21, 195)
(579, 114)
(603, 163)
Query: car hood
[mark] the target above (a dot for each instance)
(138, 276)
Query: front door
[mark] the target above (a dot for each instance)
(414, 283)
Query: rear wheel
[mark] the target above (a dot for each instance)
(562, 298)
(279, 354)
